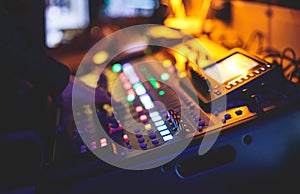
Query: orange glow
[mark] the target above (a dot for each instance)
(167, 63)
(180, 20)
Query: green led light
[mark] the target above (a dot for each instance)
(161, 93)
(164, 76)
(154, 83)
(130, 98)
(116, 68)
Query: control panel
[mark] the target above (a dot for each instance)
(159, 106)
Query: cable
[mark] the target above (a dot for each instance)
(283, 55)
(290, 70)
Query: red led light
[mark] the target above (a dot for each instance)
(125, 137)
(143, 118)
(139, 109)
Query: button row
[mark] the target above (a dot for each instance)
(256, 72)
(229, 116)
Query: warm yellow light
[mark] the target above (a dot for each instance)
(167, 63)
(100, 57)
(180, 61)
(178, 8)
(189, 25)
(182, 75)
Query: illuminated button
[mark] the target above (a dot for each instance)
(239, 112)
(165, 132)
(268, 66)
(154, 114)
(103, 140)
(246, 77)
(160, 128)
(167, 138)
(251, 74)
(139, 109)
(103, 144)
(152, 136)
(164, 76)
(263, 69)
(154, 119)
(161, 93)
(257, 71)
(227, 116)
(154, 83)
(240, 80)
(127, 66)
(234, 83)
(159, 123)
(141, 140)
(148, 126)
(130, 98)
(139, 89)
(228, 87)
(138, 135)
(216, 86)
(155, 141)
(143, 145)
(147, 101)
(143, 118)
(125, 137)
(117, 68)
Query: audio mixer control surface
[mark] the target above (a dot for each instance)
(162, 105)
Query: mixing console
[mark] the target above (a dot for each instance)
(158, 110)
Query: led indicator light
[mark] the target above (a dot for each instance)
(117, 68)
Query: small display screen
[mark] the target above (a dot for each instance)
(234, 66)
(130, 8)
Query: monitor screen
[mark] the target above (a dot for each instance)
(64, 15)
(130, 8)
(234, 66)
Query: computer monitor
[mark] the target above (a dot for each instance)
(130, 8)
(62, 16)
